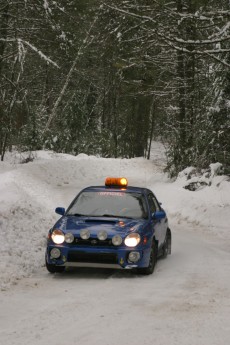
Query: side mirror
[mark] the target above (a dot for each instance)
(159, 215)
(60, 210)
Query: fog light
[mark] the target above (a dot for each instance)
(55, 253)
(134, 256)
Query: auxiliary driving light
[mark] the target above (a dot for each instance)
(69, 237)
(102, 235)
(85, 234)
(117, 240)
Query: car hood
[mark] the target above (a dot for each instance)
(95, 224)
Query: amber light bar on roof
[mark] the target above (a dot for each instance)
(116, 181)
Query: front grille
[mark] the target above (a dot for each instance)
(100, 258)
(92, 242)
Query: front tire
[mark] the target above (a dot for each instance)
(152, 261)
(167, 245)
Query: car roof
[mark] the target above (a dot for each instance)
(129, 189)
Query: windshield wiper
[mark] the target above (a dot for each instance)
(97, 215)
(115, 216)
(126, 217)
(76, 215)
(109, 215)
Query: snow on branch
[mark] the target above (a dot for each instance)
(46, 6)
(219, 60)
(131, 13)
(223, 31)
(43, 56)
(20, 43)
(199, 42)
(222, 34)
(210, 53)
(84, 44)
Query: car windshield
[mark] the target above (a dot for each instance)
(109, 204)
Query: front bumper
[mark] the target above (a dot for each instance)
(115, 258)
(97, 265)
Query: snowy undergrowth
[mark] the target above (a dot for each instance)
(30, 192)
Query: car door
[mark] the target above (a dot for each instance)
(159, 225)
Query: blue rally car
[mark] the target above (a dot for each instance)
(110, 226)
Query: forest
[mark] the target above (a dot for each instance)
(106, 77)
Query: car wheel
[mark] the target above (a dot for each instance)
(54, 269)
(152, 261)
(167, 245)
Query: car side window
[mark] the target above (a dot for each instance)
(158, 208)
(151, 203)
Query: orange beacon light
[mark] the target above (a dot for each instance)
(116, 181)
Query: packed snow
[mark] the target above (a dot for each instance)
(185, 301)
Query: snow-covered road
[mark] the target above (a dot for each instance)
(185, 302)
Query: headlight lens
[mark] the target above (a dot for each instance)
(58, 236)
(85, 234)
(117, 240)
(69, 237)
(102, 235)
(132, 240)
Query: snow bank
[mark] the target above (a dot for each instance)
(30, 192)
(207, 209)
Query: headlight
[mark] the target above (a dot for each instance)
(85, 234)
(117, 240)
(102, 235)
(58, 236)
(132, 240)
(69, 237)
